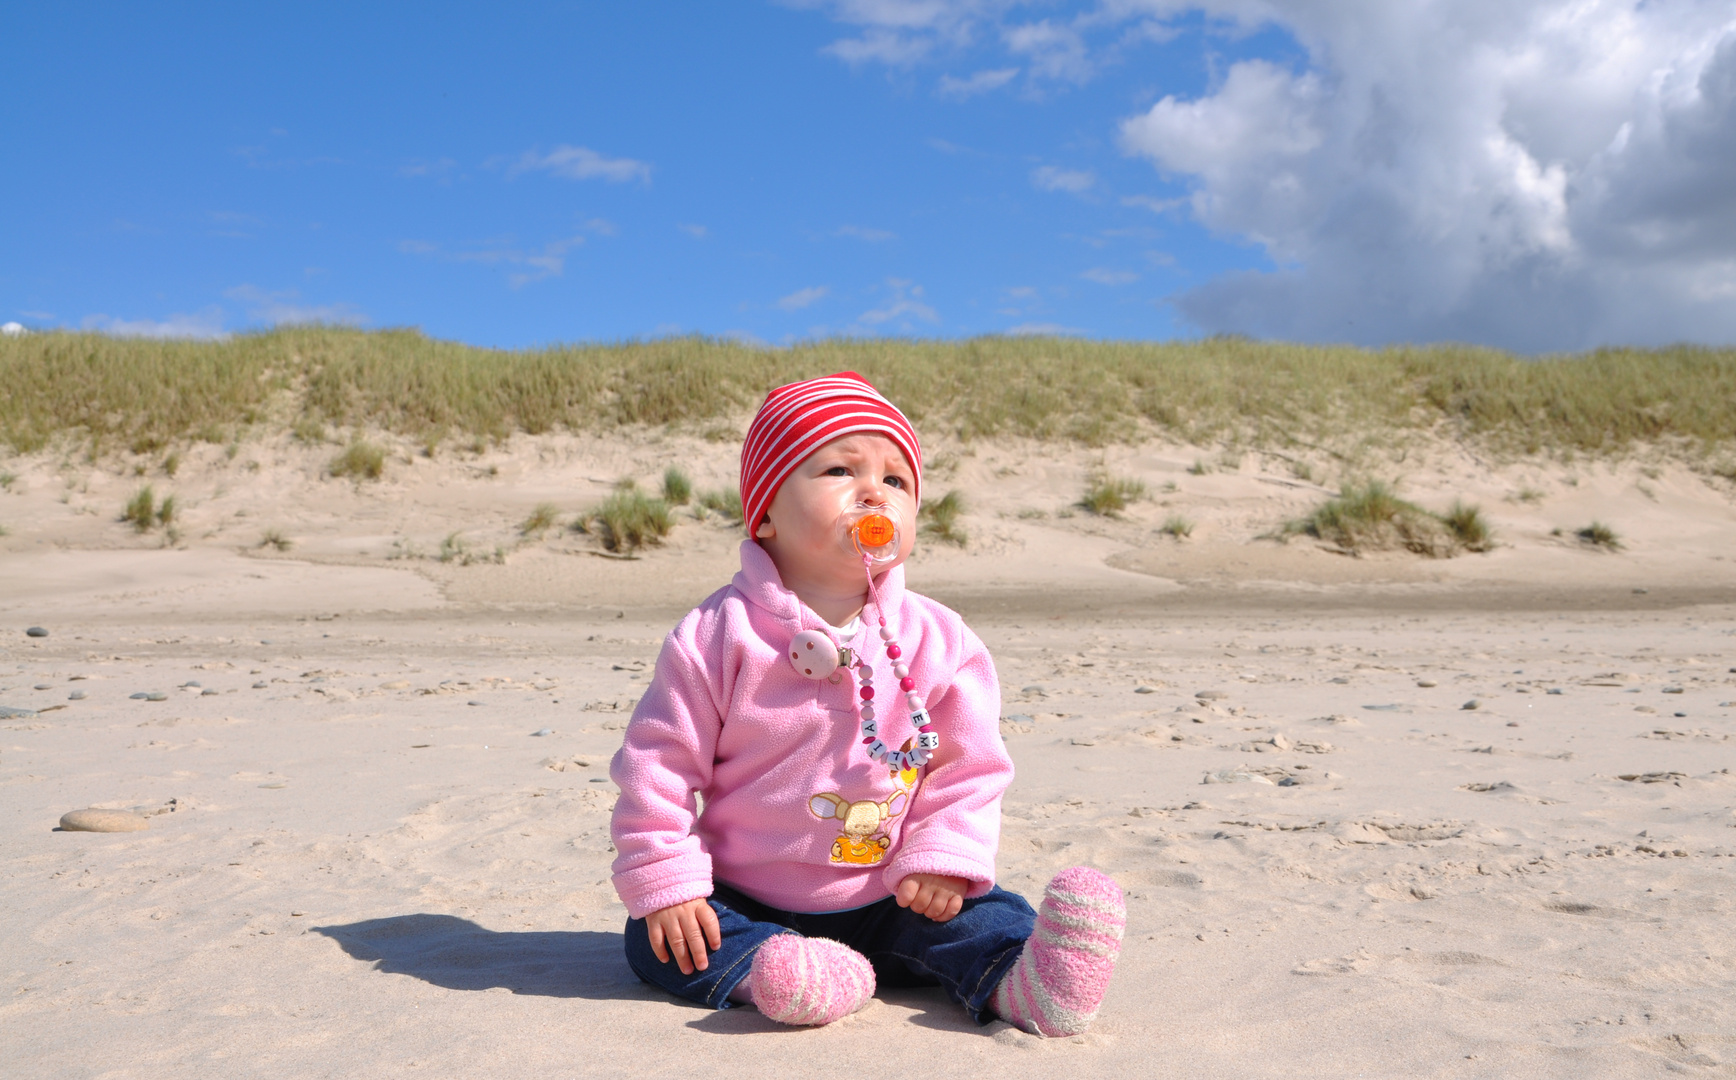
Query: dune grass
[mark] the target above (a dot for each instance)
(724, 501)
(1107, 495)
(677, 488)
(1597, 534)
(361, 460)
(144, 513)
(1177, 526)
(1370, 517)
(541, 519)
(628, 520)
(937, 519)
(143, 395)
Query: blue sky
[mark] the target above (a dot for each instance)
(1118, 169)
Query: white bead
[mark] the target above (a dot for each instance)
(914, 700)
(920, 717)
(901, 671)
(885, 633)
(813, 655)
(870, 727)
(928, 740)
(919, 758)
(876, 749)
(867, 713)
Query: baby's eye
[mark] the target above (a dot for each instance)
(837, 470)
(895, 481)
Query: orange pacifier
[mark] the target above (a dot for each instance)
(872, 531)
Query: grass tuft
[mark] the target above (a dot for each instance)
(1177, 526)
(7, 479)
(1107, 496)
(677, 488)
(725, 501)
(629, 520)
(1372, 517)
(938, 519)
(274, 538)
(1597, 534)
(541, 519)
(172, 463)
(1468, 526)
(141, 510)
(361, 459)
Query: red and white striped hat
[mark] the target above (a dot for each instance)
(797, 419)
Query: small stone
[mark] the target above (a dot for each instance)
(1555, 690)
(7, 712)
(1035, 688)
(190, 685)
(1281, 742)
(76, 695)
(1211, 695)
(42, 686)
(1673, 690)
(103, 821)
(396, 684)
(540, 732)
(1427, 684)
(209, 692)
(1084, 742)
(1144, 690)
(1512, 723)
(260, 685)
(36, 631)
(275, 784)
(1341, 680)
(1472, 705)
(1681, 714)
(473, 701)
(297, 914)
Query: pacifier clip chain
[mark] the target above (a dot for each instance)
(927, 739)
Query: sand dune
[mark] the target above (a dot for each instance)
(361, 861)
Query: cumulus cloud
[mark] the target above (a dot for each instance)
(1073, 181)
(801, 298)
(1545, 175)
(1105, 276)
(1055, 50)
(980, 83)
(698, 232)
(526, 265)
(285, 307)
(905, 305)
(858, 232)
(583, 163)
(206, 323)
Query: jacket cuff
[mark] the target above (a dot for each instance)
(969, 866)
(664, 884)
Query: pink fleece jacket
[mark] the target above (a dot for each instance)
(795, 813)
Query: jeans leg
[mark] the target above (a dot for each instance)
(967, 955)
(744, 926)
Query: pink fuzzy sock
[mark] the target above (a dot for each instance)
(803, 980)
(1056, 985)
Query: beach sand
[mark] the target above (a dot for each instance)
(362, 861)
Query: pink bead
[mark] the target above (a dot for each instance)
(900, 670)
(907, 683)
(893, 651)
(868, 740)
(867, 693)
(914, 701)
(867, 712)
(926, 727)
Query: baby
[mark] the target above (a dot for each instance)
(842, 737)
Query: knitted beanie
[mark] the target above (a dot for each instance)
(797, 419)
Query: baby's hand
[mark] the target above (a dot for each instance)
(935, 895)
(688, 929)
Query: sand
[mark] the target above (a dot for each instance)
(360, 861)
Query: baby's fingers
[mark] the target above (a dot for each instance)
(654, 929)
(708, 922)
(695, 941)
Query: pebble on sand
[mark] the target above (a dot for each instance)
(76, 695)
(42, 686)
(149, 695)
(1472, 705)
(103, 821)
(539, 732)
(1211, 695)
(36, 631)
(1427, 684)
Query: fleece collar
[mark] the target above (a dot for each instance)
(758, 580)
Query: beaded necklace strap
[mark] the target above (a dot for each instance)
(927, 739)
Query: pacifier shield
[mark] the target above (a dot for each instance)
(813, 655)
(875, 530)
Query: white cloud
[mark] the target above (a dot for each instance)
(1104, 276)
(905, 304)
(533, 264)
(583, 163)
(858, 232)
(801, 298)
(280, 308)
(206, 323)
(438, 167)
(1558, 178)
(1155, 205)
(1041, 329)
(980, 83)
(1051, 178)
(1055, 51)
(698, 232)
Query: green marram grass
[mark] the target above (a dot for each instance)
(1109, 495)
(937, 519)
(677, 488)
(1369, 516)
(143, 395)
(724, 501)
(628, 520)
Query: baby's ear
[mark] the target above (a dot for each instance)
(766, 530)
(826, 806)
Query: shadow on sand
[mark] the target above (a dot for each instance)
(460, 955)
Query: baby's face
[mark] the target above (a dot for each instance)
(802, 533)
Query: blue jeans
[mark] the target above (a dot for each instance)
(967, 954)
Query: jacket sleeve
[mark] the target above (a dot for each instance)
(953, 826)
(666, 756)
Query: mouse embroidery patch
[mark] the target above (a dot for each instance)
(863, 839)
